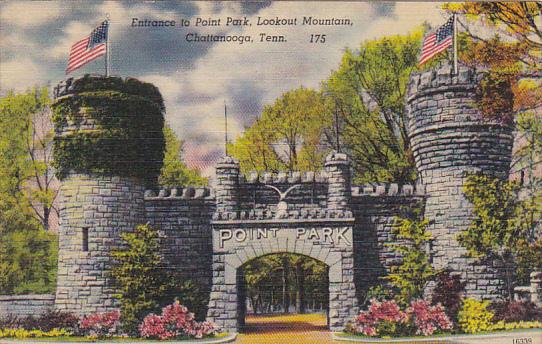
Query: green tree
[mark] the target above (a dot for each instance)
(287, 136)
(412, 274)
(502, 224)
(174, 171)
(279, 280)
(368, 92)
(27, 253)
(143, 283)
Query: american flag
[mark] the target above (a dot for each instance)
(89, 48)
(437, 41)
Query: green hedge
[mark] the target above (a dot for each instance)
(115, 128)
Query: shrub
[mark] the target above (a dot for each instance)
(51, 319)
(515, 311)
(448, 292)
(379, 293)
(21, 333)
(387, 319)
(474, 317)
(101, 325)
(415, 270)
(428, 319)
(142, 285)
(501, 325)
(175, 322)
(381, 319)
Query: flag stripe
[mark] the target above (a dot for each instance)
(90, 59)
(81, 55)
(87, 57)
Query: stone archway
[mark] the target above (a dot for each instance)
(236, 242)
(270, 298)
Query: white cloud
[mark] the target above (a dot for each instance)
(30, 13)
(20, 74)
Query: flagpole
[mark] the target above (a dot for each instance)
(225, 129)
(107, 46)
(455, 43)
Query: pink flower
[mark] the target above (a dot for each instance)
(174, 322)
(428, 319)
(101, 325)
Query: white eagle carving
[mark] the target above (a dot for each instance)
(282, 206)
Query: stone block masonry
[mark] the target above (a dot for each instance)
(450, 139)
(25, 305)
(94, 211)
(183, 218)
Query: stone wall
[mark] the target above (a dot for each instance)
(182, 216)
(103, 207)
(450, 139)
(25, 305)
(374, 208)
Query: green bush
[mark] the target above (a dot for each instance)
(144, 283)
(28, 262)
(474, 317)
(411, 275)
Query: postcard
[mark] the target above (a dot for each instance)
(270, 171)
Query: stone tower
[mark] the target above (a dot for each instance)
(108, 147)
(450, 139)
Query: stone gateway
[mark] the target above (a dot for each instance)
(209, 234)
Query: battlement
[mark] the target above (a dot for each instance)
(270, 215)
(441, 79)
(391, 189)
(267, 177)
(188, 192)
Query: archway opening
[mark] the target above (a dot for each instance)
(283, 292)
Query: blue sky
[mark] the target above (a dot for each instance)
(196, 78)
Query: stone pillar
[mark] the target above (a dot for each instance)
(227, 186)
(536, 288)
(106, 131)
(339, 194)
(451, 139)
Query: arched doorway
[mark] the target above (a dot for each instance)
(283, 292)
(237, 242)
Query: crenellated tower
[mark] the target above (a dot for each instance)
(108, 147)
(451, 139)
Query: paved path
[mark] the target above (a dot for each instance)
(287, 329)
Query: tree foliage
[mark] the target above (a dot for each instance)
(174, 171)
(287, 136)
(280, 280)
(504, 225)
(519, 22)
(411, 275)
(27, 253)
(367, 95)
(368, 90)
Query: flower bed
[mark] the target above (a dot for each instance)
(174, 323)
(386, 319)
